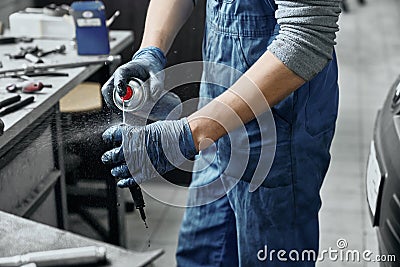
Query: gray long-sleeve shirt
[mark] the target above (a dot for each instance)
(307, 34)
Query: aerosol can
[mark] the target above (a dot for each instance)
(139, 101)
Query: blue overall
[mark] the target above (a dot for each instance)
(242, 227)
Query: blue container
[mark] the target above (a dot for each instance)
(91, 29)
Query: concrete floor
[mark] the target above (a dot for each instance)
(369, 62)
(369, 59)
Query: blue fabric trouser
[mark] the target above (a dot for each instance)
(282, 214)
(230, 231)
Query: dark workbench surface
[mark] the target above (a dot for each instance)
(20, 236)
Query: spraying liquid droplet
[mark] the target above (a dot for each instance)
(143, 216)
(148, 234)
(123, 112)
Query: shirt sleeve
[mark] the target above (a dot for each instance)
(307, 34)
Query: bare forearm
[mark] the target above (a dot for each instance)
(299, 52)
(163, 22)
(267, 82)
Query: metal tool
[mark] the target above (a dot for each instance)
(9, 101)
(34, 54)
(17, 106)
(58, 50)
(60, 257)
(14, 40)
(23, 51)
(27, 87)
(138, 200)
(33, 58)
(42, 73)
(43, 67)
(112, 19)
(1, 127)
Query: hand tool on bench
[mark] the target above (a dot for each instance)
(36, 57)
(27, 87)
(23, 51)
(1, 127)
(58, 50)
(14, 40)
(60, 257)
(9, 101)
(27, 69)
(17, 106)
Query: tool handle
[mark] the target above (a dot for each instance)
(137, 196)
(10, 100)
(60, 257)
(1, 127)
(138, 200)
(8, 40)
(17, 106)
(31, 68)
(14, 40)
(33, 58)
(33, 87)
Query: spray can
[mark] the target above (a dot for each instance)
(138, 100)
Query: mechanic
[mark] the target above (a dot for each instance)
(286, 51)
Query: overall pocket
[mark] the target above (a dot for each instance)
(322, 104)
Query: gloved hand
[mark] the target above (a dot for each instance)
(147, 151)
(144, 64)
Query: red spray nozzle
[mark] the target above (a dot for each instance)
(128, 95)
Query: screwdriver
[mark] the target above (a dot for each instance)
(17, 106)
(138, 200)
(9, 101)
(27, 87)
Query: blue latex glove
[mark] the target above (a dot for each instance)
(147, 151)
(144, 64)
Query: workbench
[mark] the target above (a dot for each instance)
(32, 182)
(20, 236)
